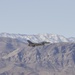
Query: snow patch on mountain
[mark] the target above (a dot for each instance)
(53, 38)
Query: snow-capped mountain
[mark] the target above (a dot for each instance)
(53, 38)
(17, 58)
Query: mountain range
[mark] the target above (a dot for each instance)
(55, 58)
(52, 38)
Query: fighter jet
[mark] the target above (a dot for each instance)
(37, 44)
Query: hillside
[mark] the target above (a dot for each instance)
(17, 58)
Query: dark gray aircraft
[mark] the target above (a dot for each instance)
(36, 44)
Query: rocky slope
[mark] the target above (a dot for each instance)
(17, 58)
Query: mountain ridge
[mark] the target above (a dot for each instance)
(52, 38)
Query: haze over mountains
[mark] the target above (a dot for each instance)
(17, 58)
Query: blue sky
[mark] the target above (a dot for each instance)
(38, 16)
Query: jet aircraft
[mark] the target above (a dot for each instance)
(37, 44)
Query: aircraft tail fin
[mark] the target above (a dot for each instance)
(29, 42)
